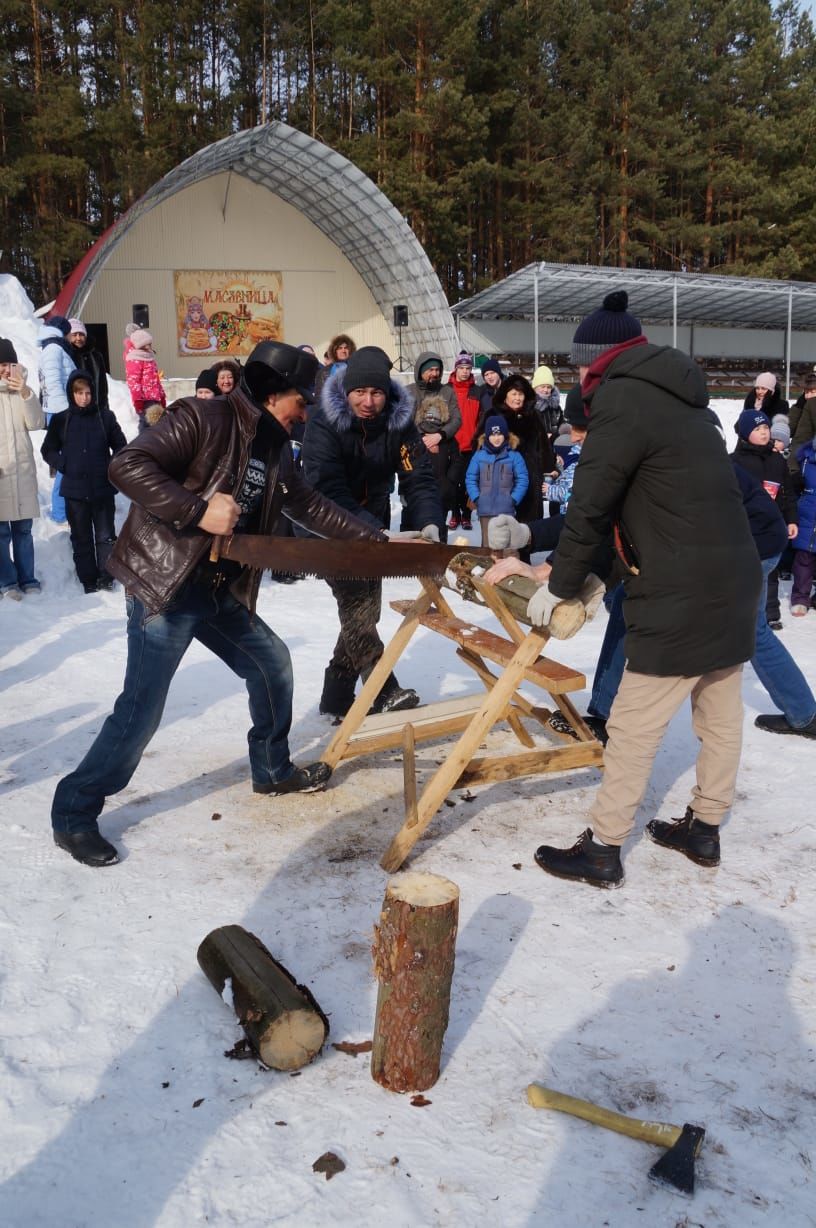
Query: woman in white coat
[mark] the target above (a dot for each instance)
(20, 413)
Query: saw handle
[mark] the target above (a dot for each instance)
(660, 1133)
(215, 549)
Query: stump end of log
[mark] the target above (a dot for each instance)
(422, 890)
(292, 1041)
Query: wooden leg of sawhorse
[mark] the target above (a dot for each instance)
(393, 651)
(446, 776)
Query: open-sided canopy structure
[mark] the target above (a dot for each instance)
(570, 291)
(335, 196)
(543, 292)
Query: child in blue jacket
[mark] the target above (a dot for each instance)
(496, 477)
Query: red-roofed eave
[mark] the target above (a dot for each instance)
(65, 298)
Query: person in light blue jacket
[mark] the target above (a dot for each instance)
(56, 364)
(496, 478)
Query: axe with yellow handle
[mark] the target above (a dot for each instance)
(675, 1168)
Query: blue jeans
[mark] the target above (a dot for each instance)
(17, 555)
(611, 660)
(156, 644)
(773, 664)
(776, 669)
(57, 502)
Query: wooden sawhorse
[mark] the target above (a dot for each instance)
(472, 716)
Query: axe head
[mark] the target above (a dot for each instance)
(675, 1168)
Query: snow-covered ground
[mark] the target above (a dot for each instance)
(686, 996)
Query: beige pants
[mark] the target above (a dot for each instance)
(640, 715)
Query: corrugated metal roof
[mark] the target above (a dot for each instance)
(571, 291)
(333, 194)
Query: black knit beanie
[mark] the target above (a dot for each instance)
(208, 379)
(611, 325)
(574, 409)
(368, 367)
(7, 351)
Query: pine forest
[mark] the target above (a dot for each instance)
(670, 134)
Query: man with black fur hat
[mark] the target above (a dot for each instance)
(361, 438)
(205, 468)
(653, 465)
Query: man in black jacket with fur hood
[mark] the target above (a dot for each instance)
(654, 467)
(361, 438)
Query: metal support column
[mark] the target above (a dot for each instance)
(535, 314)
(788, 339)
(674, 325)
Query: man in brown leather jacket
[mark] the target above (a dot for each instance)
(206, 468)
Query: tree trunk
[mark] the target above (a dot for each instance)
(284, 1025)
(414, 950)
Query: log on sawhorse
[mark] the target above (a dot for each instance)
(519, 658)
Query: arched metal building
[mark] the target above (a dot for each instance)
(267, 232)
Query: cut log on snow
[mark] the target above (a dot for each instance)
(283, 1023)
(414, 950)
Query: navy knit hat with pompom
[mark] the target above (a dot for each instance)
(611, 325)
(749, 420)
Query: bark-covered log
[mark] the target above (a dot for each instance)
(283, 1023)
(414, 950)
(568, 616)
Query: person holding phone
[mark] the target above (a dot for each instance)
(20, 414)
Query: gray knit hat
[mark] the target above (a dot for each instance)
(611, 325)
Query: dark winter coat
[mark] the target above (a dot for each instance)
(172, 470)
(533, 446)
(91, 360)
(497, 481)
(79, 443)
(354, 462)
(773, 403)
(770, 469)
(654, 462)
(435, 415)
(768, 527)
(551, 412)
(806, 538)
(803, 431)
(441, 399)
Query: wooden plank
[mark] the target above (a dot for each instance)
(448, 773)
(335, 751)
(550, 675)
(489, 679)
(409, 791)
(509, 767)
(363, 743)
(385, 722)
(493, 601)
(574, 717)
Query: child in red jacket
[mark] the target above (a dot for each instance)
(142, 372)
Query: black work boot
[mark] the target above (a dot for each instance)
(586, 862)
(338, 691)
(776, 723)
(698, 841)
(89, 847)
(310, 778)
(394, 698)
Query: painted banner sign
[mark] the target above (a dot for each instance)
(220, 312)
